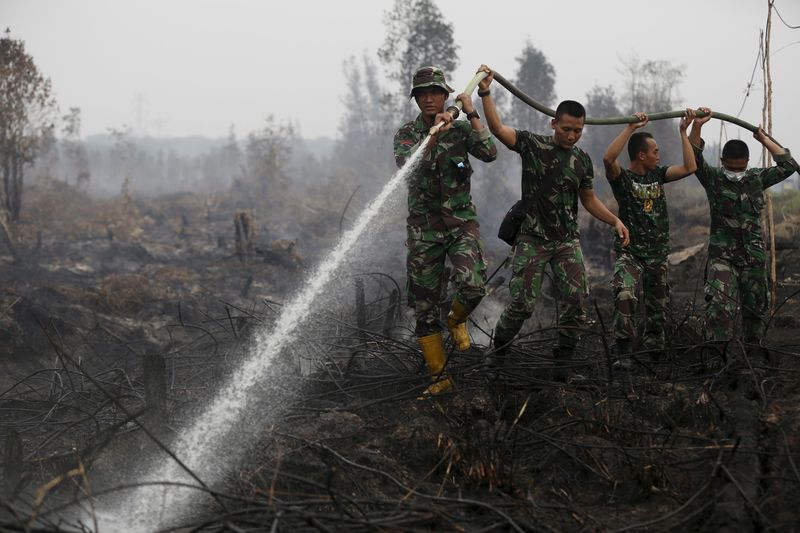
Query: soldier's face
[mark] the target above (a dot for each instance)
(650, 157)
(430, 100)
(567, 130)
(735, 164)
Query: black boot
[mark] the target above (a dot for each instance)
(563, 354)
(496, 356)
(654, 346)
(622, 355)
(760, 356)
(713, 356)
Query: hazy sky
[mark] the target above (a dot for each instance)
(182, 67)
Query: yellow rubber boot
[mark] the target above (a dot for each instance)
(457, 324)
(433, 352)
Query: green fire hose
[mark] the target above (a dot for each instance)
(513, 89)
(455, 109)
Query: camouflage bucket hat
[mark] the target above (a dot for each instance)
(429, 77)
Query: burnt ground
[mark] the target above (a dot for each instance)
(689, 439)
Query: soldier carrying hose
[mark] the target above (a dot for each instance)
(736, 276)
(639, 191)
(555, 174)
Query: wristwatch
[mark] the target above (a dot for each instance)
(473, 114)
(487, 92)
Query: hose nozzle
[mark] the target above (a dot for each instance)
(454, 112)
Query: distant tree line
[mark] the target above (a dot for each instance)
(270, 166)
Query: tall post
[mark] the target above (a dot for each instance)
(766, 157)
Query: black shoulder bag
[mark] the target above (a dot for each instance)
(512, 222)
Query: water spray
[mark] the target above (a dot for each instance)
(203, 445)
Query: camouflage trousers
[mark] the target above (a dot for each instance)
(731, 290)
(629, 273)
(427, 250)
(528, 260)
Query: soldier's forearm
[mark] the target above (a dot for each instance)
(773, 148)
(502, 132)
(694, 136)
(689, 160)
(597, 209)
(601, 212)
(617, 145)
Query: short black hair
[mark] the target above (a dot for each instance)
(571, 108)
(735, 149)
(638, 143)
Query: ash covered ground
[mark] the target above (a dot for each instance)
(340, 440)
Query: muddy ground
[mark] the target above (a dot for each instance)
(689, 439)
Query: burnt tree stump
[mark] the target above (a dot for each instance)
(391, 312)
(155, 386)
(245, 229)
(246, 287)
(12, 464)
(361, 309)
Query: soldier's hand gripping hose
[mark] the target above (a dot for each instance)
(454, 110)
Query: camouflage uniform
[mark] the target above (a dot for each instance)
(549, 234)
(736, 276)
(441, 218)
(643, 209)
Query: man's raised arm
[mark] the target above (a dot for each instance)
(689, 166)
(613, 170)
(785, 163)
(505, 134)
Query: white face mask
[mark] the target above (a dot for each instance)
(734, 176)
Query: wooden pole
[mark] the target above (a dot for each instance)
(766, 157)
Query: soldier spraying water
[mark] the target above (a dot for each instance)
(442, 220)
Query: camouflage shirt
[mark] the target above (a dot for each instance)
(439, 190)
(643, 209)
(736, 208)
(552, 214)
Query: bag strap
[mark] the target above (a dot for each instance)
(546, 187)
(548, 179)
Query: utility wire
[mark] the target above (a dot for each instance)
(724, 132)
(784, 22)
(784, 47)
(750, 83)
